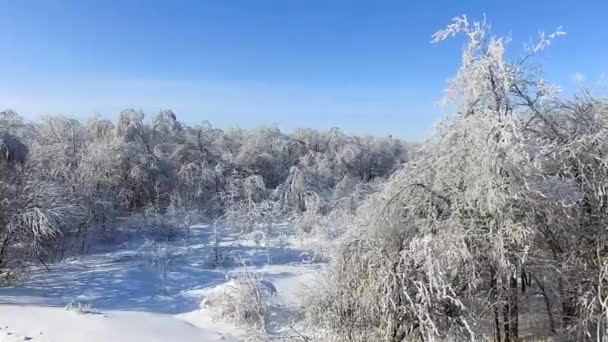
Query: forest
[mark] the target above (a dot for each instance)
(493, 229)
(65, 181)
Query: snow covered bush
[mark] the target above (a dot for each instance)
(161, 227)
(249, 217)
(161, 258)
(218, 257)
(245, 299)
(34, 216)
(320, 227)
(80, 308)
(162, 261)
(325, 231)
(242, 216)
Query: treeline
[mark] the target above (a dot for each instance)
(61, 178)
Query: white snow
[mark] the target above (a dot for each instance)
(125, 294)
(57, 324)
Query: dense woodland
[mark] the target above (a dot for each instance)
(65, 182)
(494, 229)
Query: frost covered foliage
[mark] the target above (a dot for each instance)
(321, 225)
(34, 214)
(248, 217)
(67, 184)
(12, 150)
(494, 231)
(161, 258)
(80, 308)
(243, 300)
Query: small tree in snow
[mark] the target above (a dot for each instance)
(162, 258)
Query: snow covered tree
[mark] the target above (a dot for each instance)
(34, 212)
(446, 243)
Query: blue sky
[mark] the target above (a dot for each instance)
(365, 66)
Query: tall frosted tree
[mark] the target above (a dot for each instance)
(445, 244)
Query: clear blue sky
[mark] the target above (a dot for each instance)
(365, 66)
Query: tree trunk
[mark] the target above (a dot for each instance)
(514, 308)
(4, 249)
(511, 310)
(494, 303)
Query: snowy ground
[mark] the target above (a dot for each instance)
(127, 300)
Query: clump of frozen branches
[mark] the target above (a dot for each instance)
(245, 300)
(80, 308)
(319, 232)
(321, 225)
(218, 257)
(161, 258)
(249, 217)
(159, 226)
(34, 215)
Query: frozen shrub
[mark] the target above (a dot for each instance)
(248, 216)
(80, 308)
(218, 258)
(242, 300)
(258, 237)
(319, 233)
(241, 216)
(161, 227)
(345, 187)
(161, 258)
